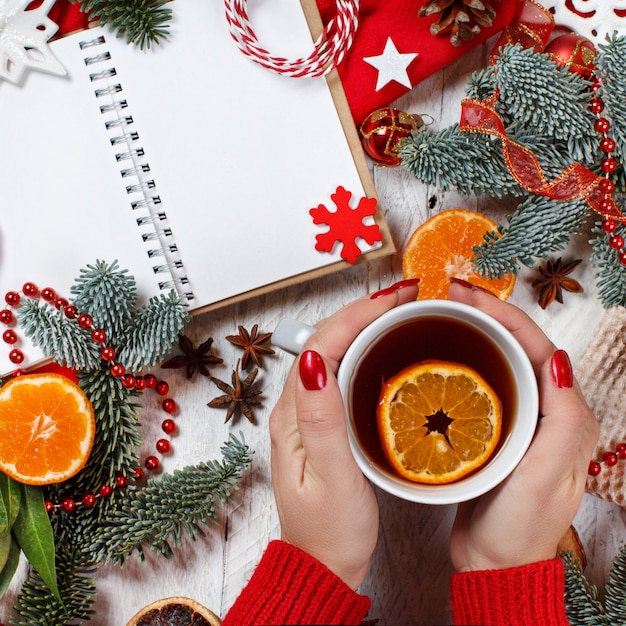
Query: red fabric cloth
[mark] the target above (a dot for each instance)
(398, 19)
(291, 587)
(524, 596)
(68, 16)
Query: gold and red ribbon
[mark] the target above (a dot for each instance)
(533, 29)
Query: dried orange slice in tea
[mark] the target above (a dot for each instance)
(175, 611)
(48, 427)
(442, 248)
(438, 421)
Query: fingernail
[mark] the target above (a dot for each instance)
(561, 368)
(409, 282)
(468, 285)
(312, 371)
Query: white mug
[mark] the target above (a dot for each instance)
(416, 331)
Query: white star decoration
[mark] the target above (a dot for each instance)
(391, 65)
(24, 40)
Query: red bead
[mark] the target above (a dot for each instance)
(607, 145)
(620, 450)
(16, 356)
(105, 491)
(138, 473)
(605, 206)
(596, 84)
(602, 125)
(98, 335)
(84, 320)
(128, 380)
(606, 185)
(49, 506)
(616, 242)
(68, 505)
(609, 458)
(140, 383)
(10, 336)
(163, 446)
(152, 463)
(168, 426)
(151, 381)
(12, 298)
(88, 499)
(622, 257)
(48, 294)
(30, 289)
(108, 354)
(596, 105)
(70, 311)
(609, 165)
(18, 372)
(60, 303)
(117, 370)
(121, 481)
(162, 388)
(169, 406)
(6, 316)
(594, 468)
(609, 225)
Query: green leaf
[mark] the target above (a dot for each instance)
(10, 496)
(8, 571)
(5, 547)
(33, 532)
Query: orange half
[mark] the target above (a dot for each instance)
(48, 427)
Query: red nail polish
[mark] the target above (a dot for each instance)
(561, 369)
(409, 282)
(312, 371)
(468, 285)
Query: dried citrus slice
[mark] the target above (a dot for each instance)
(175, 611)
(442, 248)
(438, 421)
(47, 425)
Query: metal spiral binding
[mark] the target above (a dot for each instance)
(114, 106)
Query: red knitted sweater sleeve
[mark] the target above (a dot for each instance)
(290, 587)
(524, 596)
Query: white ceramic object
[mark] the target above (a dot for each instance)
(525, 402)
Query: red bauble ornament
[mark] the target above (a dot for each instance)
(381, 131)
(574, 52)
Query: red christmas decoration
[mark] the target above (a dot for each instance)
(381, 131)
(346, 225)
(574, 52)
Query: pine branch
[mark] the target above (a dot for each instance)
(611, 67)
(156, 328)
(109, 295)
(615, 590)
(143, 22)
(165, 507)
(581, 598)
(538, 226)
(59, 338)
(611, 274)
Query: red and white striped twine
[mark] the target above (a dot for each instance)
(329, 48)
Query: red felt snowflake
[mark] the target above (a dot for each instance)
(346, 225)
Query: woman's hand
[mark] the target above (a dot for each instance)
(325, 505)
(522, 520)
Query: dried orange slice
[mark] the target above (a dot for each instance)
(175, 611)
(47, 425)
(442, 248)
(438, 421)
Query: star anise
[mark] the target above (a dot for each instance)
(240, 395)
(193, 359)
(253, 345)
(554, 280)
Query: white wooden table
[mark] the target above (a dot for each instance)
(408, 581)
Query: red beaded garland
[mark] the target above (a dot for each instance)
(169, 406)
(609, 458)
(168, 426)
(163, 446)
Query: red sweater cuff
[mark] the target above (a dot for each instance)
(290, 587)
(524, 596)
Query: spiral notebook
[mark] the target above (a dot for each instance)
(192, 166)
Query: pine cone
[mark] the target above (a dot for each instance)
(461, 18)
